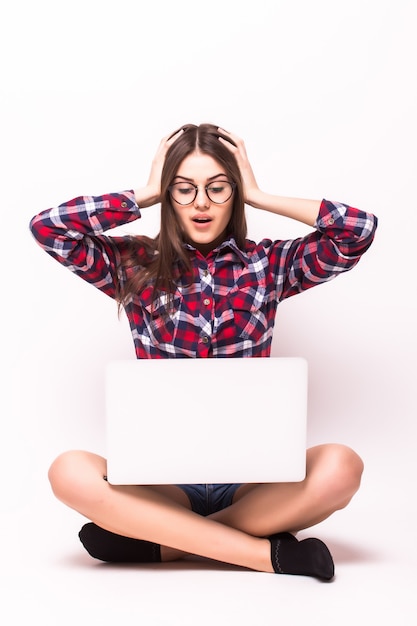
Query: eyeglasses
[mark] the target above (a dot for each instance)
(218, 192)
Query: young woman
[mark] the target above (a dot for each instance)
(201, 289)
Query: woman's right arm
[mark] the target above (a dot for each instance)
(73, 234)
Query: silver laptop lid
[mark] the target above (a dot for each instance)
(173, 421)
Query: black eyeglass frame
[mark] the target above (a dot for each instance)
(233, 186)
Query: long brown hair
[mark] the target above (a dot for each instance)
(167, 248)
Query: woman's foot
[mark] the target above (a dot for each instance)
(309, 557)
(107, 546)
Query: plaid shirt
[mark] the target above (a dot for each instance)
(229, 308)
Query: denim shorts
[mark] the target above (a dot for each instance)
(207, 499)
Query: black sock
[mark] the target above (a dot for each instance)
(309, 557)
(106, 546)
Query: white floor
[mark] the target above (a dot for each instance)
(47, 578)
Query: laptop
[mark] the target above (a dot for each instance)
(229, 420)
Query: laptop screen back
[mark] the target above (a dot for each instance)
(174, 421)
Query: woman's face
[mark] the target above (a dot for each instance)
(204, 221)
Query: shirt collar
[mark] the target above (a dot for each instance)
(221, 250)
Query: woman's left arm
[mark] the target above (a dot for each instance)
(342, 233)
(300, 209)
(351, 229)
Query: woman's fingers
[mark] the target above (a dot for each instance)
(170, 139)
(236, 145)
(159, 160)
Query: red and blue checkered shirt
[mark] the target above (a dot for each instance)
(229, 309)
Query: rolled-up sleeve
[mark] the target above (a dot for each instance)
(73, 234)
(343, 234)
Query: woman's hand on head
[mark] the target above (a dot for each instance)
(302, 210)
(151, 194)
(250, 186)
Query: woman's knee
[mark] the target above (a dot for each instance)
(340, 471)
(74, 474)
(348, 468)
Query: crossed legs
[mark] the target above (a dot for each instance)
(237, 535)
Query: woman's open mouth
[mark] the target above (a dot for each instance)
(201, 220)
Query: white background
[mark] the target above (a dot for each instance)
(324, 94)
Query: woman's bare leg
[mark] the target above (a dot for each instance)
(332, 478)
(143, 513)
(160, 514)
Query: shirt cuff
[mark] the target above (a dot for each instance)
(330, 213)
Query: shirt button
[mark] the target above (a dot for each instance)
(330, 221)
(206, 301)
(205, 273)
(205, 339)
(123, 205)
